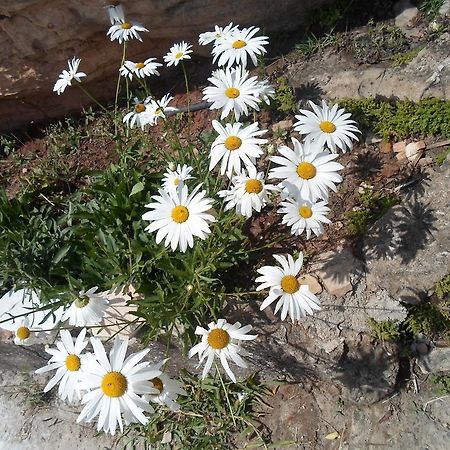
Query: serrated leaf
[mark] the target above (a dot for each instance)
(138, 187)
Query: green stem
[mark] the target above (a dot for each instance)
(187, 85)
(118, 87)
(226, 394)
(91, 97)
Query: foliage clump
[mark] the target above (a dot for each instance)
(404, 58)
(385, 330)
(400, 119)
(441, 157)
(428, 319)
(443, 287)
(285, 101)
(442, 383)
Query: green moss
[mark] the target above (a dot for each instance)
(442, 383)
(427, 318)
(285, 100)
(439, 159)
(443, 287)
(386, 330)
(404, 58)
(400, 119)
(372, 207)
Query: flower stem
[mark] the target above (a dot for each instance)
(91, 97)
(226, 394)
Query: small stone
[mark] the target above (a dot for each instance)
(406, 16)
(283, 125)
(436, 361)
(422, 348)
(381, 306)
(385, 147)
(312, 282)
(445, 8)
(400, 149)
(414, 150)
(425, 161)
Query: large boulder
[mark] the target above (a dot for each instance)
(39, 36)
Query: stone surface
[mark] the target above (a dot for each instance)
(445, 8)
(39, 36)
(408, 249)
(436, 361)
(282, 125)
(386, 147)
(400, 150)
(406, 14)
(414, 151)
(312, 282)
(381, 306)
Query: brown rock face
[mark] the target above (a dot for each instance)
(39, 36)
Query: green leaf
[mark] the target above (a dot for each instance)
(61, 253)
(138, 187)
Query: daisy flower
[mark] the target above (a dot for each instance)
(168, 389)
(66, 77)
(327, 126)
(294, 298)
(174, 178)
(241, 44)
(123, 31)
(115, 13)
(114, 386)
(248, 193)
(140, 69)
(158, 108)
(179, 216)
(87, 310)
(23, 335)
(141, 114)
(307, 167)
(235, 145)
(221, 340)
(266, 91)
(232, 90)
(67, 361)
(177, 53)
(303, 215)
(216, 36)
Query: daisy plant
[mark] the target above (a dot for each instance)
(216, 36)
(68, 76)
(140, 69)
(123, 31)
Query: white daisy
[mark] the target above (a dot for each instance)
(266, 91)
(295, 298)
(232, 91)
(141, 114)
(221, 340)
(140, 69)
(235, 144)
(114, 386)
(248, 193)
(87, 310)
(168, 389)
(123, 31)
(68, 360)
(179, 216)
(23, 334)
(115, 13)
(177, 53)
(238, 46)
(327, 126)
(66, 77)
(174, 178)
(310, 169)
(301, 215)
(217, 35)
(158, 108)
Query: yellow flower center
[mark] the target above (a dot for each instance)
(179, 55)
(114, 384)
(176, 182)
(158, 111)
(23, 333)
(140, 107)
(239, 44)
(305, 211)
(73, 363)
(180, 214)
(306, 170)
(327, 126)
(232, 92)
(289, 284)
(158, 384)
(232, 143)
(126, 26)
(81, 302)
(139, 65)
(218, 338)
(253, 186)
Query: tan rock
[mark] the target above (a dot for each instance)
(312, 282)
(385, 147)
(283, 125)
(414, 150)
(39, 36)
(400, 150)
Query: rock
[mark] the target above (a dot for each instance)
(436, 361)
(385, 147)
(312, 282)
(283, 125)
(334, 269)
(406, 14)
(33, 29)
(426, 161)
(414, 151)
(400, 150)
(445, 8)
(408, 250)
(381, 306)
